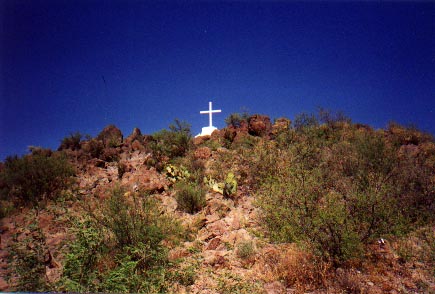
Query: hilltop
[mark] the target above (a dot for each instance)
(315, 205)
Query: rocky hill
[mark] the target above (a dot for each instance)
(320, 205)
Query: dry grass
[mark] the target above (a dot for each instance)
(349, 281)
(295, 267)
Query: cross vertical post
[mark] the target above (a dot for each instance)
(210, 117)
(210, 113)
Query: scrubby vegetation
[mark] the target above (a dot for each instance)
(320, 205)
(118, 247)
(35, 177)
(190, 197)
(340, 187)
(173, 142)
(71, 142)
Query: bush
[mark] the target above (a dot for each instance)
(137, 221)
(28, 259)
(341, 188)
(72, 142)
(235, 119)
(119, 248)
(33, 178)
(172, 143)
(305, 121)
(190, 197)
(94, 148)
(295, 267)
(6, 208)
(80, 270)
(245, 249)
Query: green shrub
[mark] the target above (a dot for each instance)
(245, 249)
(137, 221)
(190, 197)
(94, 148)
(28, 259)
(80, 271)
(235, 119)
(172, 143)
(33, 178)
(72, 142)
(185, 275)
(119, 248)
(341, 188)
(305, 121)
(6, 208)
(194, 166)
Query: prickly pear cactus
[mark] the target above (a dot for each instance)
(228, 188)
(230, 185)
(175, 174)
(215, 186)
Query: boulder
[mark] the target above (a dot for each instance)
(236, 237)
(137, 146)
(135, 140)
(135, 135)
(177, 253)
(218, 228)
(213, 244)
(259, 125)
(234, 133)
(146, 179)
(211, 218)
(215, 258)
(111, 136)
(217, 205)
(205, 236)
(110, 154)
(200, 140)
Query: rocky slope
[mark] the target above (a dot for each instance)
(228, 251)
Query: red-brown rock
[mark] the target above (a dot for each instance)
(137, 145)
(213, 244)
(135, 135)
(111, 136)
(200, 140)
(259, 125)
(110, 154)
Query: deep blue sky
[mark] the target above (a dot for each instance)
(166, 60)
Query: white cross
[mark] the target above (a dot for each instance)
(210, 112)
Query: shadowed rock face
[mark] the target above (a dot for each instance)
(111, 136)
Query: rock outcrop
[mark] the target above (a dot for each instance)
(111, 136)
